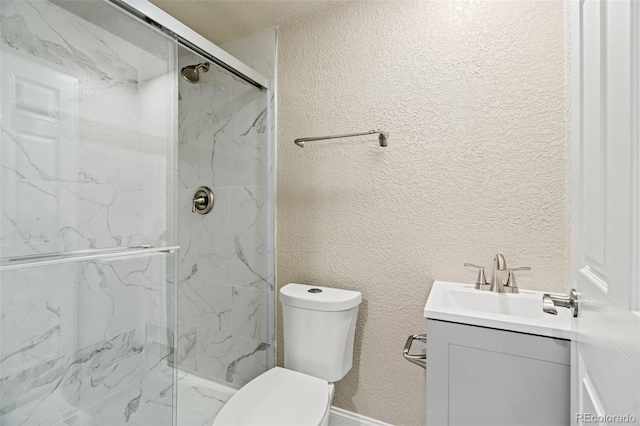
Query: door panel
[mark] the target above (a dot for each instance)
(606, 355)
(39, 153)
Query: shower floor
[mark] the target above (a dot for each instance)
(200, 400)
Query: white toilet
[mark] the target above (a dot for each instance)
(319, 326)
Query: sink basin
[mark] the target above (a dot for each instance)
(462, 303)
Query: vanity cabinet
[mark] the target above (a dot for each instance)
(485, 376)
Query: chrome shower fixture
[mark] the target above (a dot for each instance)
(191, 73)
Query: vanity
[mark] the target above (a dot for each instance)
(495, 358)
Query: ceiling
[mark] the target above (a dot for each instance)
(222, 20)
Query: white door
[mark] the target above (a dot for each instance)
(38, 154)
(605, 50)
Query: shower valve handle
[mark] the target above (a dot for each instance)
(202, 200)
(199, 201)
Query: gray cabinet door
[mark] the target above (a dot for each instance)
(483, 376)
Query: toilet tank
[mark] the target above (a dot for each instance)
(319, 326)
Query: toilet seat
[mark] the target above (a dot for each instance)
(279, 397)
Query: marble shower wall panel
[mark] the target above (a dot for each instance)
(98, 330)
(87, 130)
(87, 158)
(226, 259)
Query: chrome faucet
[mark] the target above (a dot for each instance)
(499, 265)
(496, 284)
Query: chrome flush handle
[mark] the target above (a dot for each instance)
(551, 301)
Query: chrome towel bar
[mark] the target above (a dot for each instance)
(383, 135)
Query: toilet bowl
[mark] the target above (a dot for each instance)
(279, 397)
(319, 329)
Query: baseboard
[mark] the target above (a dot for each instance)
(340, 417)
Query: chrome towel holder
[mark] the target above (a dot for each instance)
(417, 359)
(383, 135)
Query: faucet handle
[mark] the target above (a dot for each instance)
(511, 280)
(481, 280)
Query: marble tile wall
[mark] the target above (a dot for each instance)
(74, 335)
(87, 152)
(226, 279)
(84, 163)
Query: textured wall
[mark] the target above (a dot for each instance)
(475, 97)
(222, 21)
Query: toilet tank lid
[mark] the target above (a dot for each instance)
(319, 298)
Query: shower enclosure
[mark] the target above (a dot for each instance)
(102, 145)
(225, 290)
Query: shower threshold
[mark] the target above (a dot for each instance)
(200, 400)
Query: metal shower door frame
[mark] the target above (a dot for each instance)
(187, 37)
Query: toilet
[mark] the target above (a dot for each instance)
(319, 326)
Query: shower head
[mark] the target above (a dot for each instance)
(191, 73)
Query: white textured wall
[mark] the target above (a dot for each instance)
(222, 21)
(475, 97)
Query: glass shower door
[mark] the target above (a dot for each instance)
(87, 216)
(226, 286)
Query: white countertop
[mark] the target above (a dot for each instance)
(462, 303)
